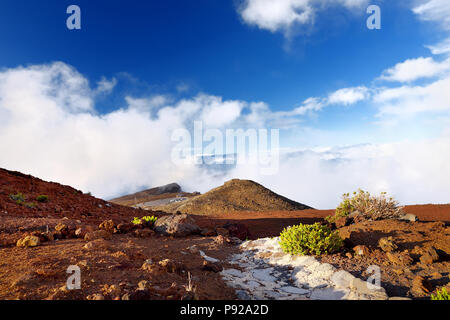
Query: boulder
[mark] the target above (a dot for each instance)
(171, 266)
(62, 228)
(409, 217)
(429, 256)
(176, 225)
(387, 244)
(144, 284)
(43, 236)
(148, 265)
(82, 231)
(29, 241)
(107, 225)
(221, 240)
(361, 250)
(64, 231)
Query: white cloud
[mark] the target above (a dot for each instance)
(57, 86)
(49, 128)
(309, 105)
(106, 86)
(435, 11)
(147, 104)
(348, 96)
(414, 69)
(342, 97)
(217, 113)
(319, 178)
(260, 113)
(433, 97)
(441, 48)
(276, 15)
(282, 15)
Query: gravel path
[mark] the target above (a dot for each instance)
(265, 272)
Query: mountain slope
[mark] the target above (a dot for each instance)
(19, 194)
(234, 196)
(168, 191)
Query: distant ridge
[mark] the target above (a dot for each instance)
(234, 196)
(167, 191)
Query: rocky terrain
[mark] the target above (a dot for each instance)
(413, 256)
(268, 273)
(234, 196)
(170, 191)
(46, 228)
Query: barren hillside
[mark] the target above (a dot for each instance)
(234, 196)
(20, 195)
(167, 191)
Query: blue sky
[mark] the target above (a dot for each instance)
(108, 96)
(204, 44)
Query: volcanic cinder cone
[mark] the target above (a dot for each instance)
(234, 196)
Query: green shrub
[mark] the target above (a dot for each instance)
(147, 220)
(18, 198)
(370, 207)
(42, 198)
(307, 239)
(150, 220)
(30, 205)
(441, 295)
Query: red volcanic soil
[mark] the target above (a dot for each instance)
(264, 224)
(67, 202)
(63, 201)
(269, 224)
(112, 266)
(430, 212)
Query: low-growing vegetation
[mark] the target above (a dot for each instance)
(42, 198)
(368, 206)
(313, 239)
(136, 221)
(30, 205)
(19, 198)
(441, 295)
(147, 220)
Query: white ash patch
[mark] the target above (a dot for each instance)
(267, 273)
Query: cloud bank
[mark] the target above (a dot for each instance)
(49, 127)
